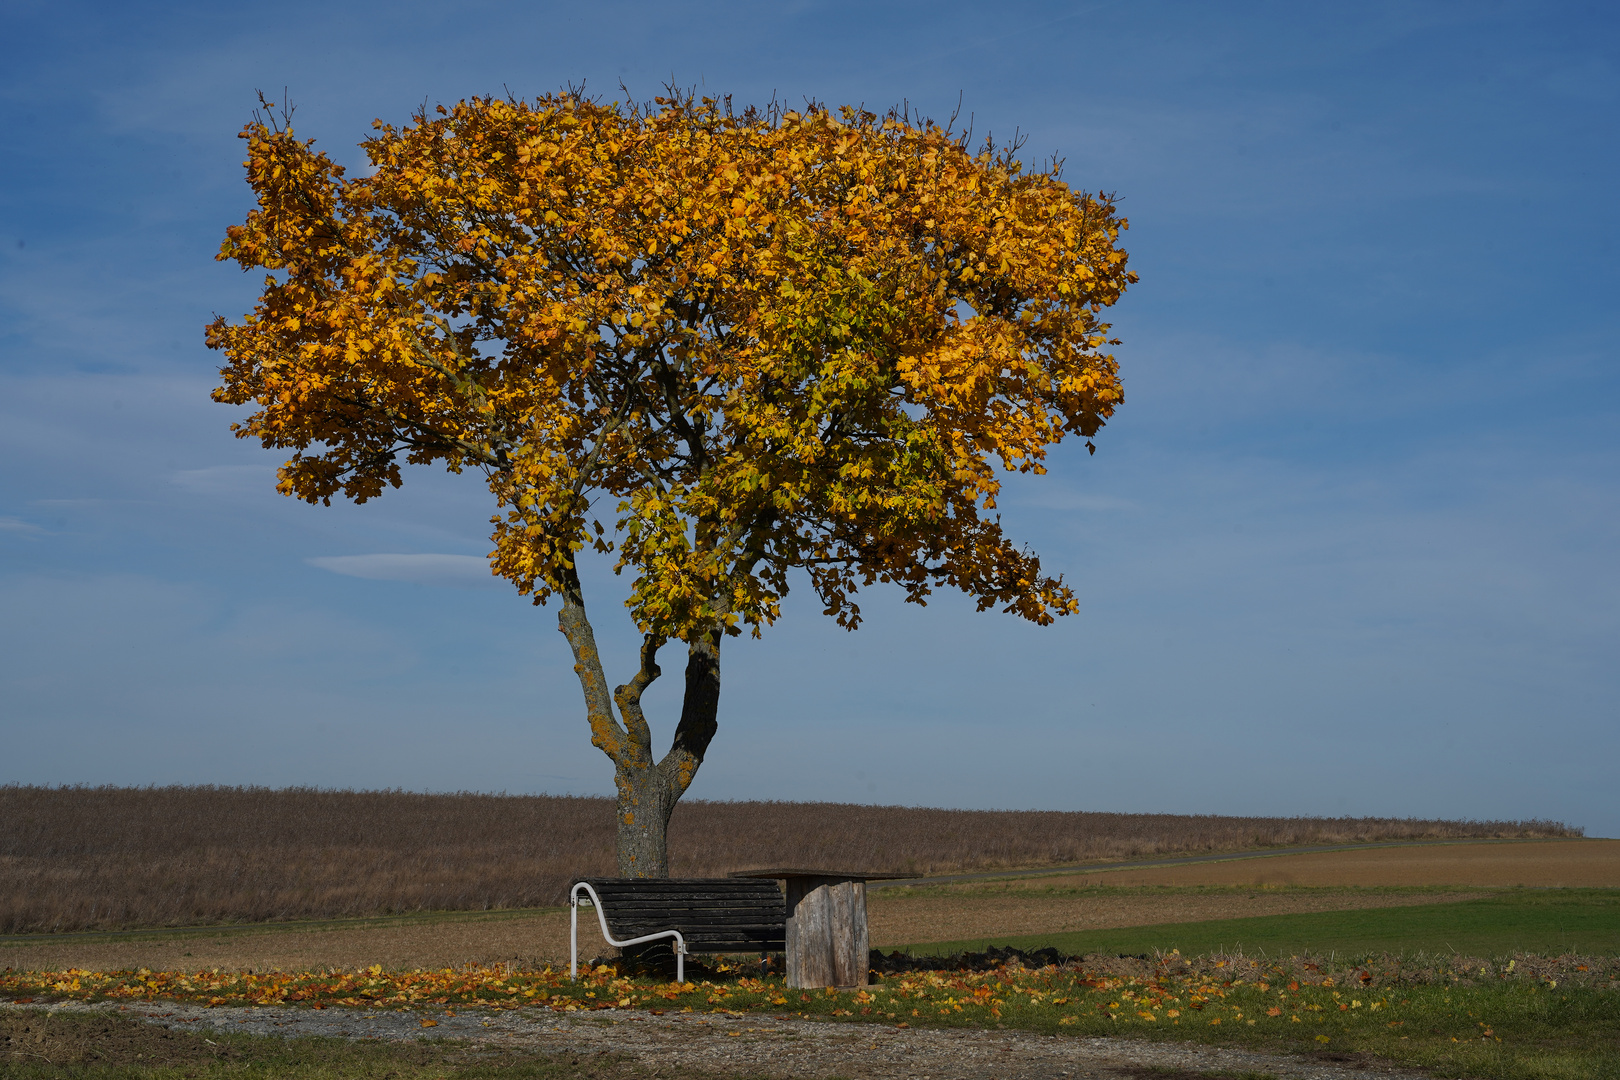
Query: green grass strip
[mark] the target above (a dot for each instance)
(1551, 922)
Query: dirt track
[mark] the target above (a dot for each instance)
(956, 913)
(724, 1045)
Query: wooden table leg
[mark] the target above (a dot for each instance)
(827, 942)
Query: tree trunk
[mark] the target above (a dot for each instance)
(648, 790)
(645, 803)
(648, 793)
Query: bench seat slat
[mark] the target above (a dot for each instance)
(676, 922)
(696, 914)
(677, 897)
(668, 885)
(692, 901)
(728, 903)
(688, 915)
(706, 884)
(674, 897)
(692, 937)
(652, 926)
(695, 926)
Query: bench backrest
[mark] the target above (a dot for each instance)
(712, 914)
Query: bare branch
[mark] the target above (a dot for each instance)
(628, 696)
(606, 734)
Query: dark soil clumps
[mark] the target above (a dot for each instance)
(994, 957)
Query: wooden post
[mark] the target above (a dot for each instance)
(827, 943)
(826, 938)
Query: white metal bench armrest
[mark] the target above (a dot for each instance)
(596, 902)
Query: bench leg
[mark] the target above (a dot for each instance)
(601, 916)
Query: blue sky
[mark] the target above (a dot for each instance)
(1348, 548)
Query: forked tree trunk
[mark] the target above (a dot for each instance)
(647, 789)
(648, 793)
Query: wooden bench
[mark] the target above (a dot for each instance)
(699, 914)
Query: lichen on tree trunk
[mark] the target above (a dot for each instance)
(648, 789)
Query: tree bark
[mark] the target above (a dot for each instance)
(647, 790)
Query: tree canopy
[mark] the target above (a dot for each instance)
(719, 345)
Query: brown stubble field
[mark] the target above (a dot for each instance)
(1554, 864)
(1328, 881)
(1239, 888)
(113, 858)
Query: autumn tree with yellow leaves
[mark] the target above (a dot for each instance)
(720, 346)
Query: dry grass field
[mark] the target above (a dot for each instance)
(110, 858)
(1559, 864)
(435, 941)
(1240, 888)
(1332, 881)
(1014, 913)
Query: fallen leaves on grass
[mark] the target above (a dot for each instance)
(1061, 996)
(1109, 995)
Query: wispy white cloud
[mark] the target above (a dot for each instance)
(454, 571)
(18, 525)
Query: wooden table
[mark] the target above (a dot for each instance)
(827, 943)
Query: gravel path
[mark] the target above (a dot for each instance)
(768, 1046)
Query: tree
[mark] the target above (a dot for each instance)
(750, 343)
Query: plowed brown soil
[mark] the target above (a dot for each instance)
(1342, 881)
